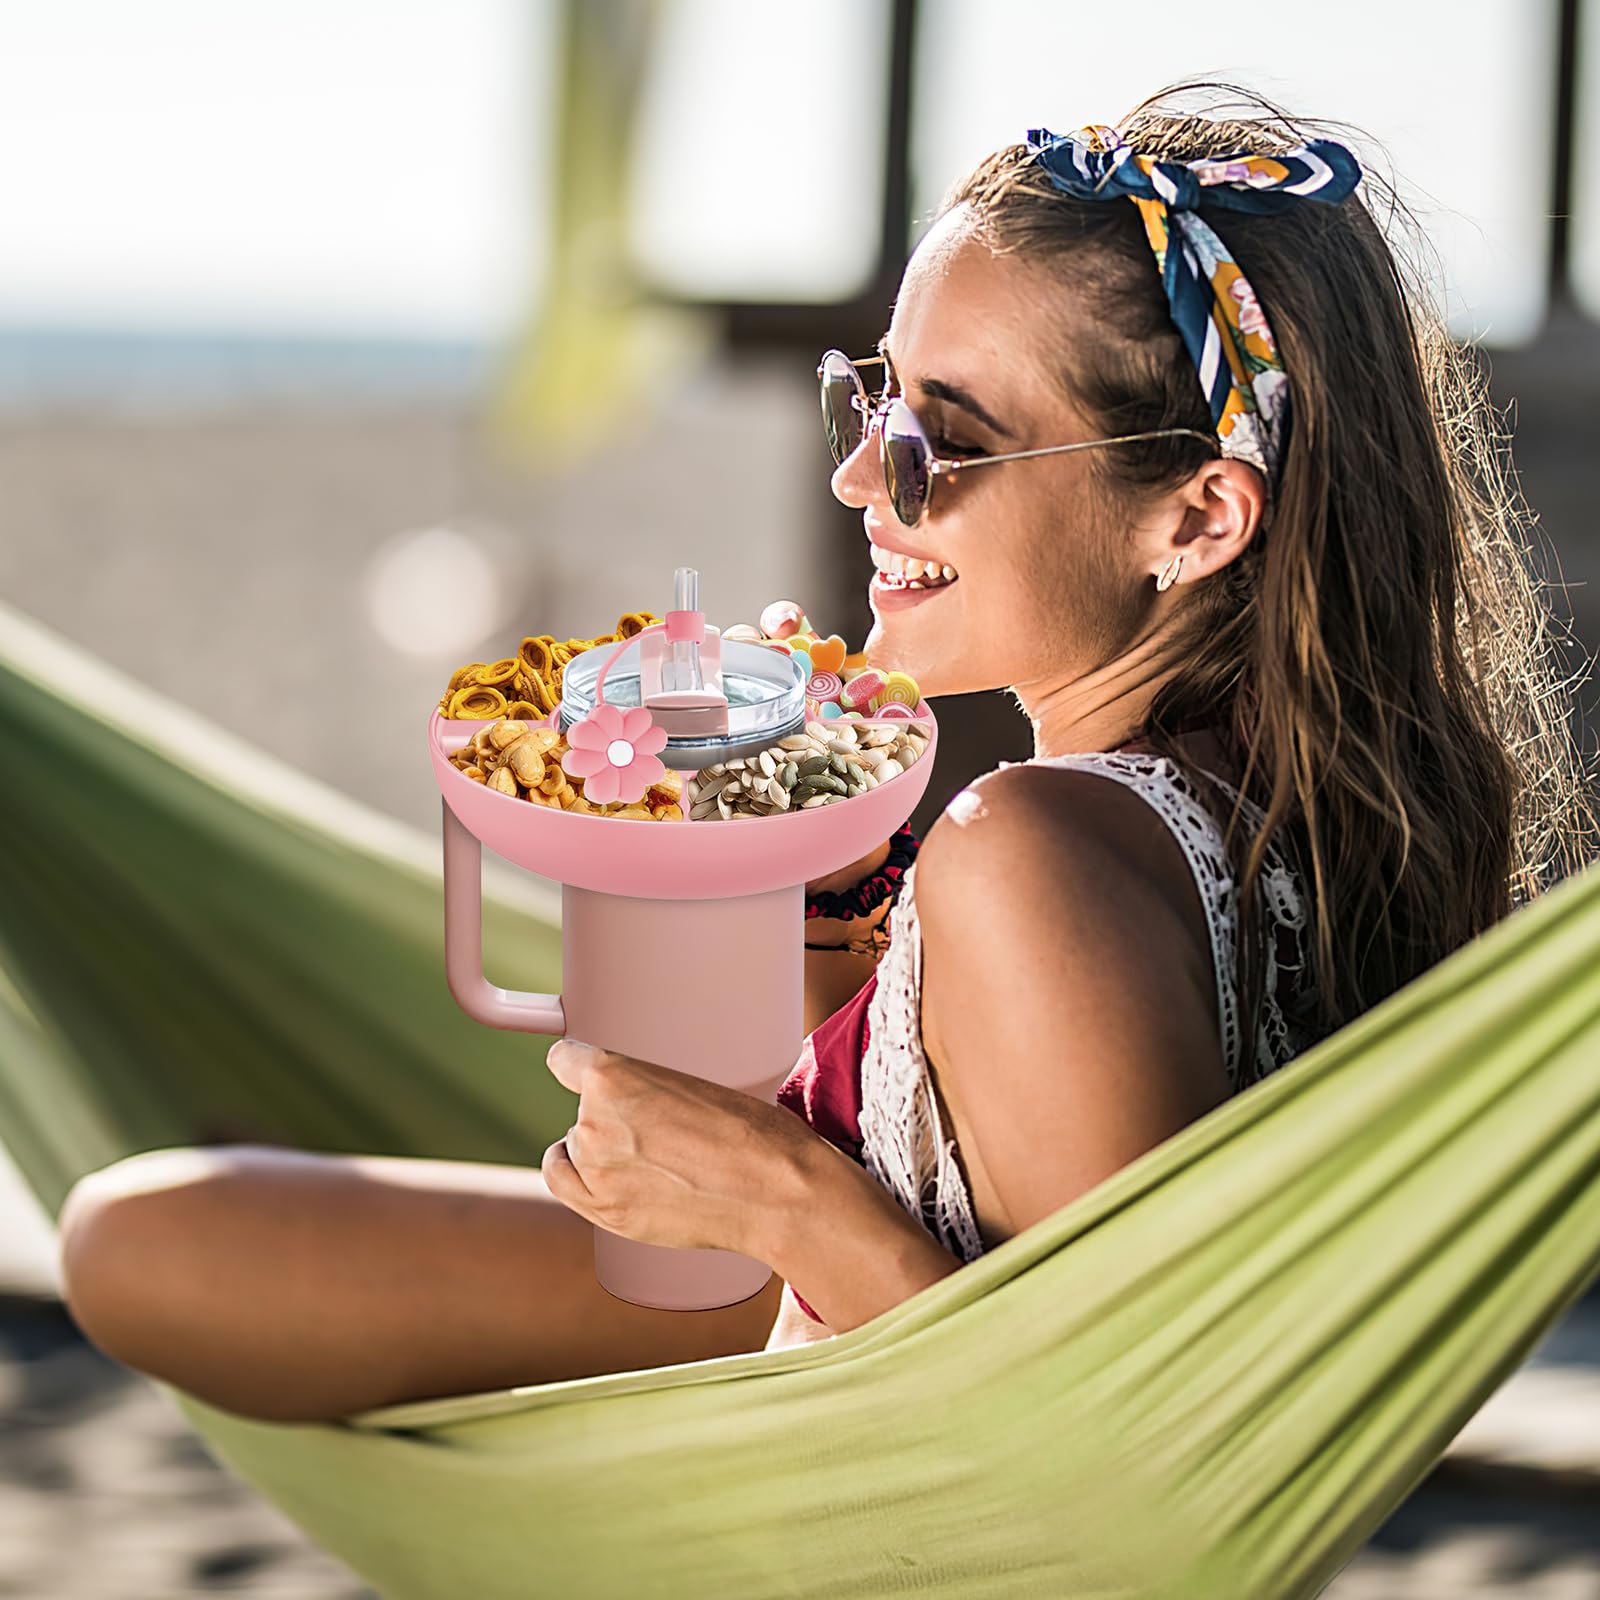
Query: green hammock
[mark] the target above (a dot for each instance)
(1213, 1375)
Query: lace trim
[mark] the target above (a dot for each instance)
(904, 1145)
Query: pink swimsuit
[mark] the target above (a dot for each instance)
(825, 1087)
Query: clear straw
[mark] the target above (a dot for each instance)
(685, 663)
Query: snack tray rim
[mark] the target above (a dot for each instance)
(922, 717)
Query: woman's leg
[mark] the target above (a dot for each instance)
(295, 1286)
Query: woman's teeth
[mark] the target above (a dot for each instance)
(902, 572)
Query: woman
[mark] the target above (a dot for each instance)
(1251, 557)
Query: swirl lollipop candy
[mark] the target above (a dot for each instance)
(824, 686)
(899, 688)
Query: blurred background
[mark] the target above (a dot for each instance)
(342, 343)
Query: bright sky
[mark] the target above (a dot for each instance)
(377, 166)
(342, 166)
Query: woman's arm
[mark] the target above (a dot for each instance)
(1068, 996)
(847, 1246)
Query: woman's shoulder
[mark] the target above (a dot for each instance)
(1061, 829)
(1063, 939)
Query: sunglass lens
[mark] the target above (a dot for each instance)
(842, 417)
(905, 463)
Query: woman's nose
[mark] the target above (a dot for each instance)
(854, 478)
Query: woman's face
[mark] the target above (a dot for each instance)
(1048, 587)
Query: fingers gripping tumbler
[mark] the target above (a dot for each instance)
(682, 942)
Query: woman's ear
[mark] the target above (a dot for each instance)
(1223, 505)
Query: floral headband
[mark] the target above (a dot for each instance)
(1215, 309)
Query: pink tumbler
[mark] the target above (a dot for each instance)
(682, 942)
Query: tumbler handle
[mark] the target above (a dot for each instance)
(463, 944)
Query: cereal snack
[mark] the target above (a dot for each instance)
(528, 684)
(524, 762)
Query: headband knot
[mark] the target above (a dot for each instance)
(1213, 304)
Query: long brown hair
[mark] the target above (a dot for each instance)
(1380, 656)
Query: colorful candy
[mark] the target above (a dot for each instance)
(782, 619)
(743, 633)
(899, 688)
(824, 686)
(858, 693)
(827, 655)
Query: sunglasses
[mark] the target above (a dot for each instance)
(909, 464)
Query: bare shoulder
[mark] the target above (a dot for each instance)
(1068, 995)
(1043, 833)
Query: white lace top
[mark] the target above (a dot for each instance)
(903, 1143)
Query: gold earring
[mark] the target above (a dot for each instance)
(1169, 573)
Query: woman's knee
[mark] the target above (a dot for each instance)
(121, 1233)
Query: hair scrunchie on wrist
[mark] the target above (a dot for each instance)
(871, 892)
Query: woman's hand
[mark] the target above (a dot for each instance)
(666, 1158)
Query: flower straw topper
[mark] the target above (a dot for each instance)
(613, 750)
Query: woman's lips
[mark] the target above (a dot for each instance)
(898, 597)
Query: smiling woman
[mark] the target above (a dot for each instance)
(1253, 560)
(1243, 552)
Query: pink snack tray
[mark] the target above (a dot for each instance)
(679, 860)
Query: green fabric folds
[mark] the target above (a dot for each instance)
(1213, 1375)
